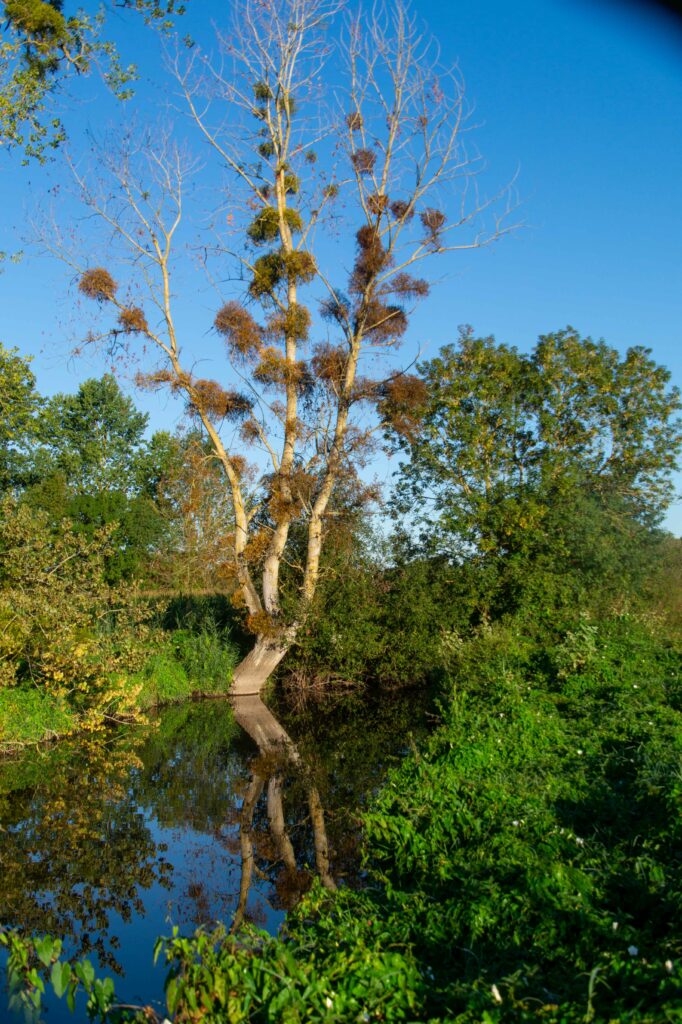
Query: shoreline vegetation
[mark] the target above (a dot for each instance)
(524, 862)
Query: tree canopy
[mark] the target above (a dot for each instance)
(559, 459)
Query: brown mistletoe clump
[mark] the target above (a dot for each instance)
(336, 307)
(249, 431)
(98, 284)
(156, 380)
(363, 160)
(409, 287)
(257, 546)
(433, 222)
(283, 505)
(132, 320)
(365, 389)
(402, 210)
(275, 370)
(239, 328)
(377, 203)
(402, 404)
(210, 398)
(303, 486)
(354, 121)
(371, 259)
(384, 324)
(260, 624)
(239, 465)
(329, 363)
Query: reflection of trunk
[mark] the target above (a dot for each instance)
(246, 843)
(285, 850)
(255, 669)
(320, 838)
(274, 742)
(267, 733)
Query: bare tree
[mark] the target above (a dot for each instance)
(374, 173)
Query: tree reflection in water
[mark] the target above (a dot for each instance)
(75, 847)
(277, 755)
(108, 840)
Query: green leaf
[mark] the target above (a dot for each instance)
(44, 948)
(60, 976)
(85, 972)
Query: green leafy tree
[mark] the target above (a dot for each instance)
(19, 404)
(42, 46)
(549, 470)
(91, 467)
(63, 628)
(94, 437)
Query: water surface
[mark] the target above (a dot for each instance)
(204, 815)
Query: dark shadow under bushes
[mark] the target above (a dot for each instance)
(206, 613)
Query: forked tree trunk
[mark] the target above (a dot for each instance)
(252, 673)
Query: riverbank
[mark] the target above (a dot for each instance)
(106, 836)
(183, 666)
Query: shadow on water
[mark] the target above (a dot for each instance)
(204, 815)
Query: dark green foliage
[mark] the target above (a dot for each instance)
(547, 471)
(529, 854)
(265, 226)
(299, 266)
(393, 636)
(525, 863)
(268, 271)
(93, 466)
(537, 838)
(262, 92)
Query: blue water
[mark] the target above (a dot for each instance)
(113, 840)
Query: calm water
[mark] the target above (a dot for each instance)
(109, 841)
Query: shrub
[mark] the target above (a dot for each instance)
(52, 585)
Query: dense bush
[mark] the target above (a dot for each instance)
(75, 649)
(65, 633)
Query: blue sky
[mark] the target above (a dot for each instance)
(582, 100)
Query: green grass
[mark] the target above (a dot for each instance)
(28, 715)
(188, 664)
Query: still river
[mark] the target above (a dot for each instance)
(202, 815)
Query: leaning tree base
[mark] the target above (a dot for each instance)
(251, 674)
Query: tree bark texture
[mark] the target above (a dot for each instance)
(252, 673)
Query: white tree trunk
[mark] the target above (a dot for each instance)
(252, 673)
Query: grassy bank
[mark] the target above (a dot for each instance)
(183, 664)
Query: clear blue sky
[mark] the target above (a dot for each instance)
(583, 98)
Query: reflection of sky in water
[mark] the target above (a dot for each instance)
(204, 890)
(181, 799)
